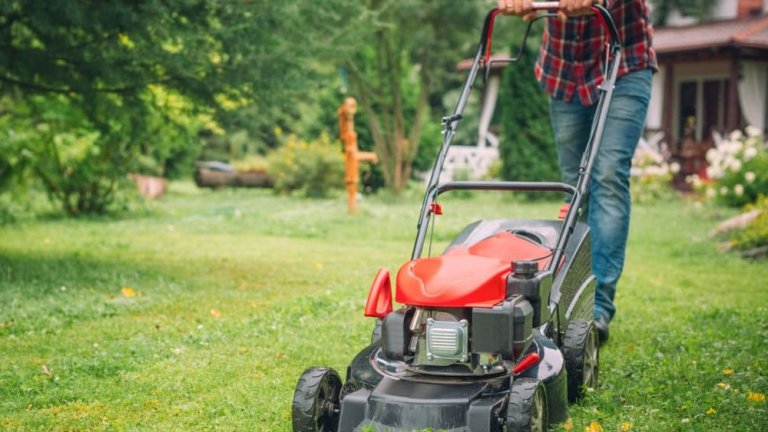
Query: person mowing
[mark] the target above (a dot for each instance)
(570, 69)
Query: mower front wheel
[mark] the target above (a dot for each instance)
(581, 350)
(527, 407)
(316, 401)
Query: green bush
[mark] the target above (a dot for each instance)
(311, 168)
(755, 235)
(252, 163)
(527, 146)
(81, 157)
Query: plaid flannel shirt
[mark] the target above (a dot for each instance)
(572, 56)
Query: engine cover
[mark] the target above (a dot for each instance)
(474, 276)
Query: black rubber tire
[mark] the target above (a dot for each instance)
(527, 407)
(376, 333)
(581, 349)
(316, 405)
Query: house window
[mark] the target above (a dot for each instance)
(702, 108)
(688, 109)
(715, 101)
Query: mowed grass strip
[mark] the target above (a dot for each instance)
(201, 313)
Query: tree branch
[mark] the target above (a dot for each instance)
(33, 86)
(60, 90)
(374, 123)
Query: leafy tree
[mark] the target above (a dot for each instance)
(405, 59)
(133, 84)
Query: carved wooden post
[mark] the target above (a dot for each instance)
(348, 136)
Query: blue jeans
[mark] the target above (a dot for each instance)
(609, 201)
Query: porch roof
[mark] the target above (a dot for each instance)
(746, 32)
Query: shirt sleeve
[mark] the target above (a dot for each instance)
(609, 3)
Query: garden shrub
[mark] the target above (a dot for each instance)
(312, 168)
(527, 146)
(252, 163)
(755, 234)
(80, 149)
(738, 169)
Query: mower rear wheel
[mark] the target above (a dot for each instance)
(316, 404)
(527, 407)
(581, 349)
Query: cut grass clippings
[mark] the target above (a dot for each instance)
(202, 313)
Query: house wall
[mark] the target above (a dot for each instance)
(725, 9)
(653, 121)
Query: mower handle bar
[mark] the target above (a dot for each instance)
(603, 15)
(545, 5)
(451, 122)
(521, 186)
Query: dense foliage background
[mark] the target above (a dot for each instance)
(91, 91)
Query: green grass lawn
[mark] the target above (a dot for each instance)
(201, 313)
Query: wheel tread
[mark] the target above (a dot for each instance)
(305, 395)
(520, 406)
(574, 345)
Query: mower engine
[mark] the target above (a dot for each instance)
(457, 341)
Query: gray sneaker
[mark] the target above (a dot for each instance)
(601, 324)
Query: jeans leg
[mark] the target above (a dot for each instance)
(571, 123)
(609, 201)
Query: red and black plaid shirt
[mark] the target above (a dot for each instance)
(572, 56)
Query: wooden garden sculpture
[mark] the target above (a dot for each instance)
(352, 155)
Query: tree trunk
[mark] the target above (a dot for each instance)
(395, 143)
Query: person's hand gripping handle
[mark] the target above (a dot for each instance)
(527, 9)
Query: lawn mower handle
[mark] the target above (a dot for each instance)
(603, 16)
(545, 5)
(451, 122)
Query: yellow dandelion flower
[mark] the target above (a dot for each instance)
(626, 427)
(728, 371)
(594, 427)
(756, 397)
(711, 411)
(568, 425)
(128, 292)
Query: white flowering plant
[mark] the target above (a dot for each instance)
(737, 171)
(651, 177)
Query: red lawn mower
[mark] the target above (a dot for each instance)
(497, 333)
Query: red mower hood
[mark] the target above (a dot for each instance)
(474, 276)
